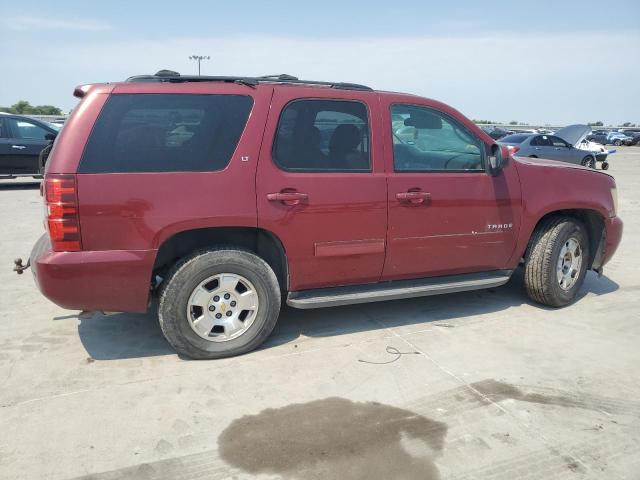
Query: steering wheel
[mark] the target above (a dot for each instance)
(446, 164)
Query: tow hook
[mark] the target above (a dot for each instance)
(19, 268)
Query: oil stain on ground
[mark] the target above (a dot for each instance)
(497, 391)
(335, 438)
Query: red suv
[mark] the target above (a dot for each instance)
(224, 196)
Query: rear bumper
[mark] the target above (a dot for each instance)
(613, 234)
(114, 280)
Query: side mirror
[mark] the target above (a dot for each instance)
(496, 160)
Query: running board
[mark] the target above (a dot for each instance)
(375, 292)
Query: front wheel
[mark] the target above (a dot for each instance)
(605, 166)
(219, 303)
(557, 262)
(617, 143)
(589, 162)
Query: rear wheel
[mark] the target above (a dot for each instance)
(589, 162)
(557, 262)
(219, 303)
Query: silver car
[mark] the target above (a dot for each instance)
(562, 146)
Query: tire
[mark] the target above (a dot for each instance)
(541, 268)
(605, 166)
(589, 162)
(617, 143)
(186, 285)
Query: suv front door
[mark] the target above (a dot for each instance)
(446, 214)
(321, 188)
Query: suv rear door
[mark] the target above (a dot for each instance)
(446, 214)
(321, 187)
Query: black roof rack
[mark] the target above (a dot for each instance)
(174, 77)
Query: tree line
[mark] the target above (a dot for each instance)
(25, 108)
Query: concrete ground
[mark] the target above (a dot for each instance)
(490, 387)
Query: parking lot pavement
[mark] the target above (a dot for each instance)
(490, 387)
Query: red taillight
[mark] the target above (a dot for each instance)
(513, 149)
(63, 224)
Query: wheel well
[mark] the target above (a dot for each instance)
(259, 241)
(592, 221)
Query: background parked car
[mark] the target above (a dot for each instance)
(21, 141)
(551, 147)
(496, 132)
(576, 135)
(606, 137)
(634, 133)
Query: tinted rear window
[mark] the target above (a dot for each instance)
(166, 133)
(323, 136)
(518, 138)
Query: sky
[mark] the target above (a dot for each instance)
(544, 62)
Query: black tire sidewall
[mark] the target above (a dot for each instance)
(568, 230)
(174, 298)
(589, 162)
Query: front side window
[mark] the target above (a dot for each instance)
(166, 133)
(4, 128)
(425, 139)
(323, 136)
(29, 131)
(558, 142)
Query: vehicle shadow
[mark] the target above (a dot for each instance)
(325, 322)
(126, 335)
(34, 185)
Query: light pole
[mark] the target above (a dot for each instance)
(199, 58)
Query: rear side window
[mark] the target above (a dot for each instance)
(166, 133)
(323, 136)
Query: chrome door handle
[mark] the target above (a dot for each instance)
(413, 197)
(18, 147)
(288, 198)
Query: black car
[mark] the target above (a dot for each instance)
(21, 141)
